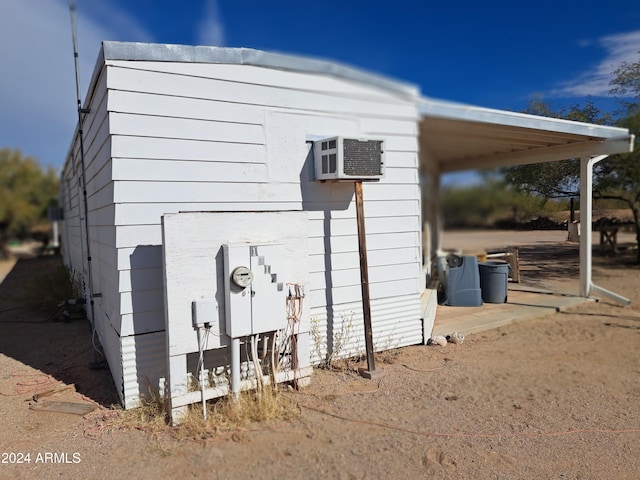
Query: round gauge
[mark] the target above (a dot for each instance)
(242, 277)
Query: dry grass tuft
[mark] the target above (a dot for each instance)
(271, 404)
(150, 417)
(225, 415)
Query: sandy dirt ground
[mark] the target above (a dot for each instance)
(556, 397)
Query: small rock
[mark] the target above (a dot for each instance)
(437, 340)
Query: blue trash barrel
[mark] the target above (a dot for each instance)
(494, 277)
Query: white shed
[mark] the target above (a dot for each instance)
(189, 157)
(168, 129)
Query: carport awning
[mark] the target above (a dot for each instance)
(458, 137)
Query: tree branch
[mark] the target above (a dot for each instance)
(600, 196)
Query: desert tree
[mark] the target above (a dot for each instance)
(26, 191)
(618, 177)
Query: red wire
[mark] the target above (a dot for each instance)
(38, 381)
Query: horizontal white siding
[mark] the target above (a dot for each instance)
(290, 80)
(185, 129)
(129, 235)
(202, 192)
(103, 216)
(376, 258)
(147, 213)
(379, 274)
(95, 130)
(143, 364)
(390, 208)
(160, 170)
(140, 103)
(111, 346)
(183, 149)
(318, 298)
(100, 215)
(381, 241)
(101, 198)
(395, 323)
(373, 225)
(150, 277)
(126, 76)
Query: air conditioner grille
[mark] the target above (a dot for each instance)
(362, 158)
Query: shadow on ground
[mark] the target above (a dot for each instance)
(542, 264)
(33, 333)
(545, 264)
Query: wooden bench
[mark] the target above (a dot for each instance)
(608, 240)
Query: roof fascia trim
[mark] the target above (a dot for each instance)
(156, 52)
(458, 111)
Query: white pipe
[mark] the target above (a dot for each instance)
(235, 367)
(586, 243)
(201, 364)
(257, 369)
(274, 364)
(612, 295)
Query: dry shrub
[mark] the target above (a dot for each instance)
(345, 365)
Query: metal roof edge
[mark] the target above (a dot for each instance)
(158, 52)
(430, 107)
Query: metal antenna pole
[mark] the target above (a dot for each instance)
(74, 36)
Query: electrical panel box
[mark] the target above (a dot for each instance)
(255, 299)
(204, 312)
(348, 159)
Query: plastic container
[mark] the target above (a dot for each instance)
(494, 277)
(463, 282)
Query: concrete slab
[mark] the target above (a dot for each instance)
(523, 303)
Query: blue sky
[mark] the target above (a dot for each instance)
(496, 54)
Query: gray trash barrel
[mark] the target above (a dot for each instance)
(463, 281)
(494, 277)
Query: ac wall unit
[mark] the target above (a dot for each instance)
(348, 159)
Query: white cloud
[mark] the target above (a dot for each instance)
(37, 85)
(210, 29)
(114, 24)
(595, 82)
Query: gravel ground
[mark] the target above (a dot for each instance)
(555, 397)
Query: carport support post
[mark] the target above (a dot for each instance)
(364, 281)
(586, 207)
